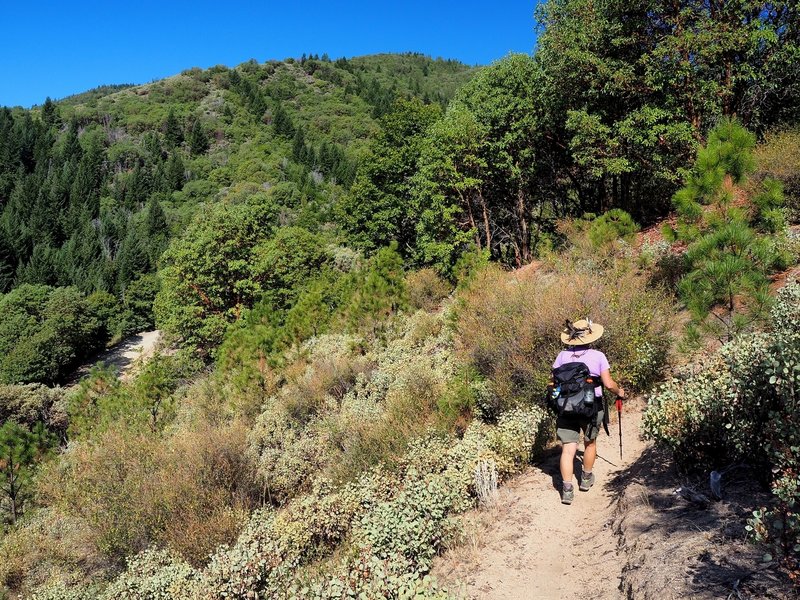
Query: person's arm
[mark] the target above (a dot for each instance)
(610, 384)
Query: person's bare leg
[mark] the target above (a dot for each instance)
(589, 455)
(567, 457)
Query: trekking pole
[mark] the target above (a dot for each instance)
(619, 420)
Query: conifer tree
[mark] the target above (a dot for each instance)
(198, 140)
(726, 286)
(138, 188)
(20, 450)
(282, 122)
(71, 150)
(50, 116)
(7, 262)
(173, 132)
(156, 230)
(43, 267)
(175, 173)
(299, 150)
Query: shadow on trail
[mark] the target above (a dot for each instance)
(550, 463)
(706, 546)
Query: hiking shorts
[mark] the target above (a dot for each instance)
(569, 429)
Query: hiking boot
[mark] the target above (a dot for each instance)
(586, 482)
(567, 496)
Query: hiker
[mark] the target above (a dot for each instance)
(578, 338)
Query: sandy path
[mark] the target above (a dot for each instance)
(532, 546)
(126, 357)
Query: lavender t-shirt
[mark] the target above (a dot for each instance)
(594, 359)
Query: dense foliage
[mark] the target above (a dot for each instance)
(44, 331)
(312, 236)
(741, 405)
(94, 188)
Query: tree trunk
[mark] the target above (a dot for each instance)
(472, 223)
(524, 233)
(485, 211)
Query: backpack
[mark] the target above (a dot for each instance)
(571, 391)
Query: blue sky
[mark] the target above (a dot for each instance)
(54, 48)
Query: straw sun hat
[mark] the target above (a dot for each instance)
(581, 332)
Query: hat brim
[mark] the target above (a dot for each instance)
(587, 338)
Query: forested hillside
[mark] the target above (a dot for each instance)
(93, 188)
(324, 244)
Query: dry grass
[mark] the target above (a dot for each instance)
(191, 490)
(509, 328)
(779, 157)
(426, 289)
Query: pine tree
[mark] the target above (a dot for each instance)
(282, 122)
(176, 173)
(50, 116)
(726, 287)
(198, 140)
(20, 450)
(173, 132)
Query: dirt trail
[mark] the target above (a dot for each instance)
(125, 357)
(531, 546)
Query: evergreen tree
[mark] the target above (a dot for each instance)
(152, 146)
(175, 173)
(71, 149)
(81, 258)
(26, 135)
(43, 267)
(156, 230)
(299, 150)
(383, 290)
(7, 264)
(282, 122)
(50, 116)
(138, 188)
(20, 450)
(726, 286)
(9, 155)
(198, 140)
(376, 211)
(173, 132)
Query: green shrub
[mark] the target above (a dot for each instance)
(741, 404)
(389, 525)
(34, 402)
(613, 225)
(153, 574)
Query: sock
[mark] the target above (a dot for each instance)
(567, 486)
(587, 473)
